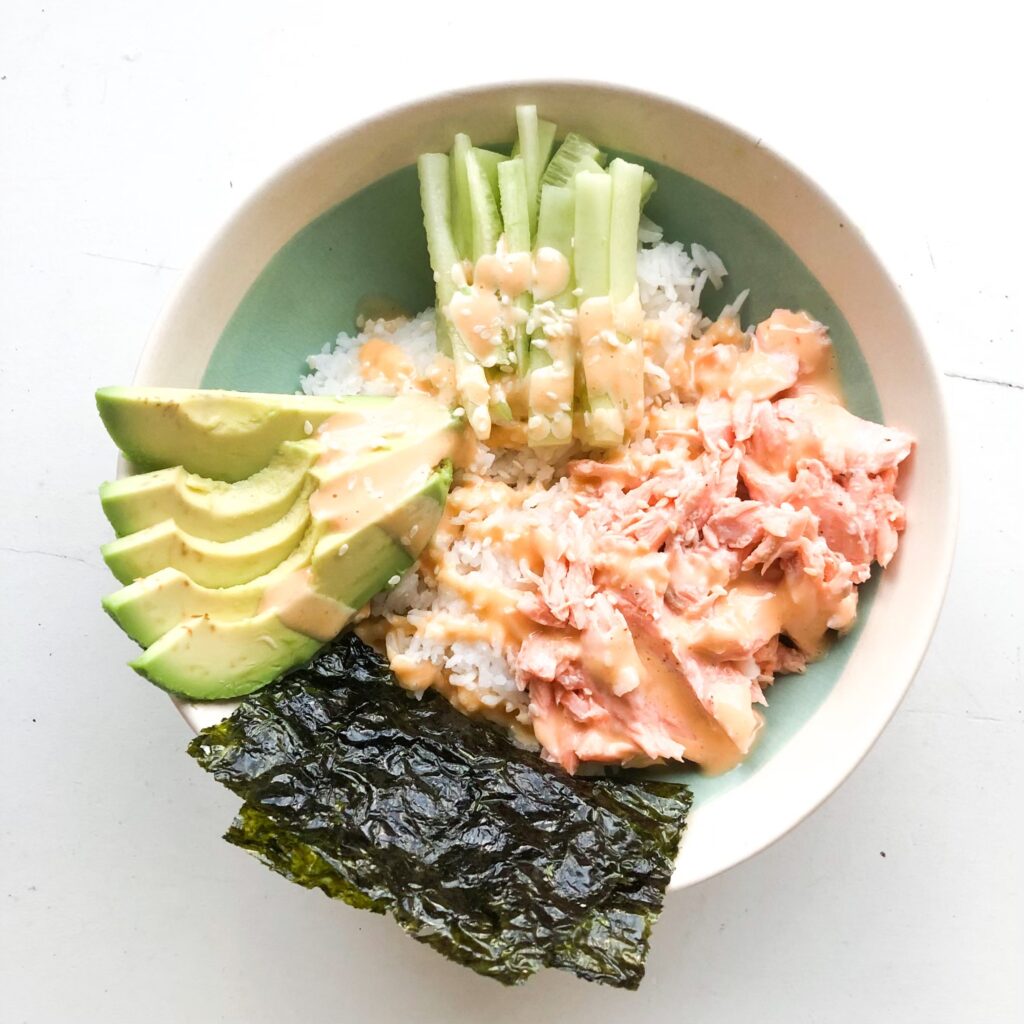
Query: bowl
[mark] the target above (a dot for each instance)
(338, 232)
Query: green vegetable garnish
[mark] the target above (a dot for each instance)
(514, 340)
(493, 857)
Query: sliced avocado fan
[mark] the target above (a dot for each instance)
(150, 607)
(206, 659)
(207, 508)
(232, 578)
(210, 563)
(226, 435)
(203, 659)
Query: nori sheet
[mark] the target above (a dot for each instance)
(487, 853)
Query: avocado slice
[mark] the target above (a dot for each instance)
(152, 605)
(208, 562)
(203, 658)
(354, 567)
(226, 435)
(206, 508)
(149, 607)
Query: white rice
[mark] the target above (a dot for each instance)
(336, 367)
(671, 281)
(471, 665)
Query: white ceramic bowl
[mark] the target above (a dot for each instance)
(796, 779)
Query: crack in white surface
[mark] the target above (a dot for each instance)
(985, 380)
(126, 259)
(50, 554)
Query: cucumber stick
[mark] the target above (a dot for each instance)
(603, 423)
(513, 190)
(528, 128)
(574, 155)
(489, 162)
(462, 217)
(611, 320)
(627, 198)
(481, 203)
(626, 184)
(555, 229)
(553, 351)
(486, 221)
(436, 200)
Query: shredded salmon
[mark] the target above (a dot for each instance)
(656, 592)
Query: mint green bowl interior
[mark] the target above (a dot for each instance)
(369, 252)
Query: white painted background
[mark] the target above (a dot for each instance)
(128, 131)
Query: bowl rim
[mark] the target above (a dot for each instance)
(199, 267)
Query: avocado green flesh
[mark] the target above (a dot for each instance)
(154, 604)
(209, 563)
(224, 518)
(208, 659)
(354, 567)
(226, 435)
(151, 607)
(211, 509)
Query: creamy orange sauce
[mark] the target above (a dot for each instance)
(718, 363)
(483, 308)
(658, 674)
(544, 274)
(300, 606)
(508, 272)
(753, 606)
(612, 357)
(370, 461)
(355, 493)
(484, 322)
(380, 359)
(550, 274)
(551, 385)
(707, 743)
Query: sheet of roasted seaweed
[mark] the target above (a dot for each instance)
(495, 858)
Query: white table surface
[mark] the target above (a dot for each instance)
(128, 130)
